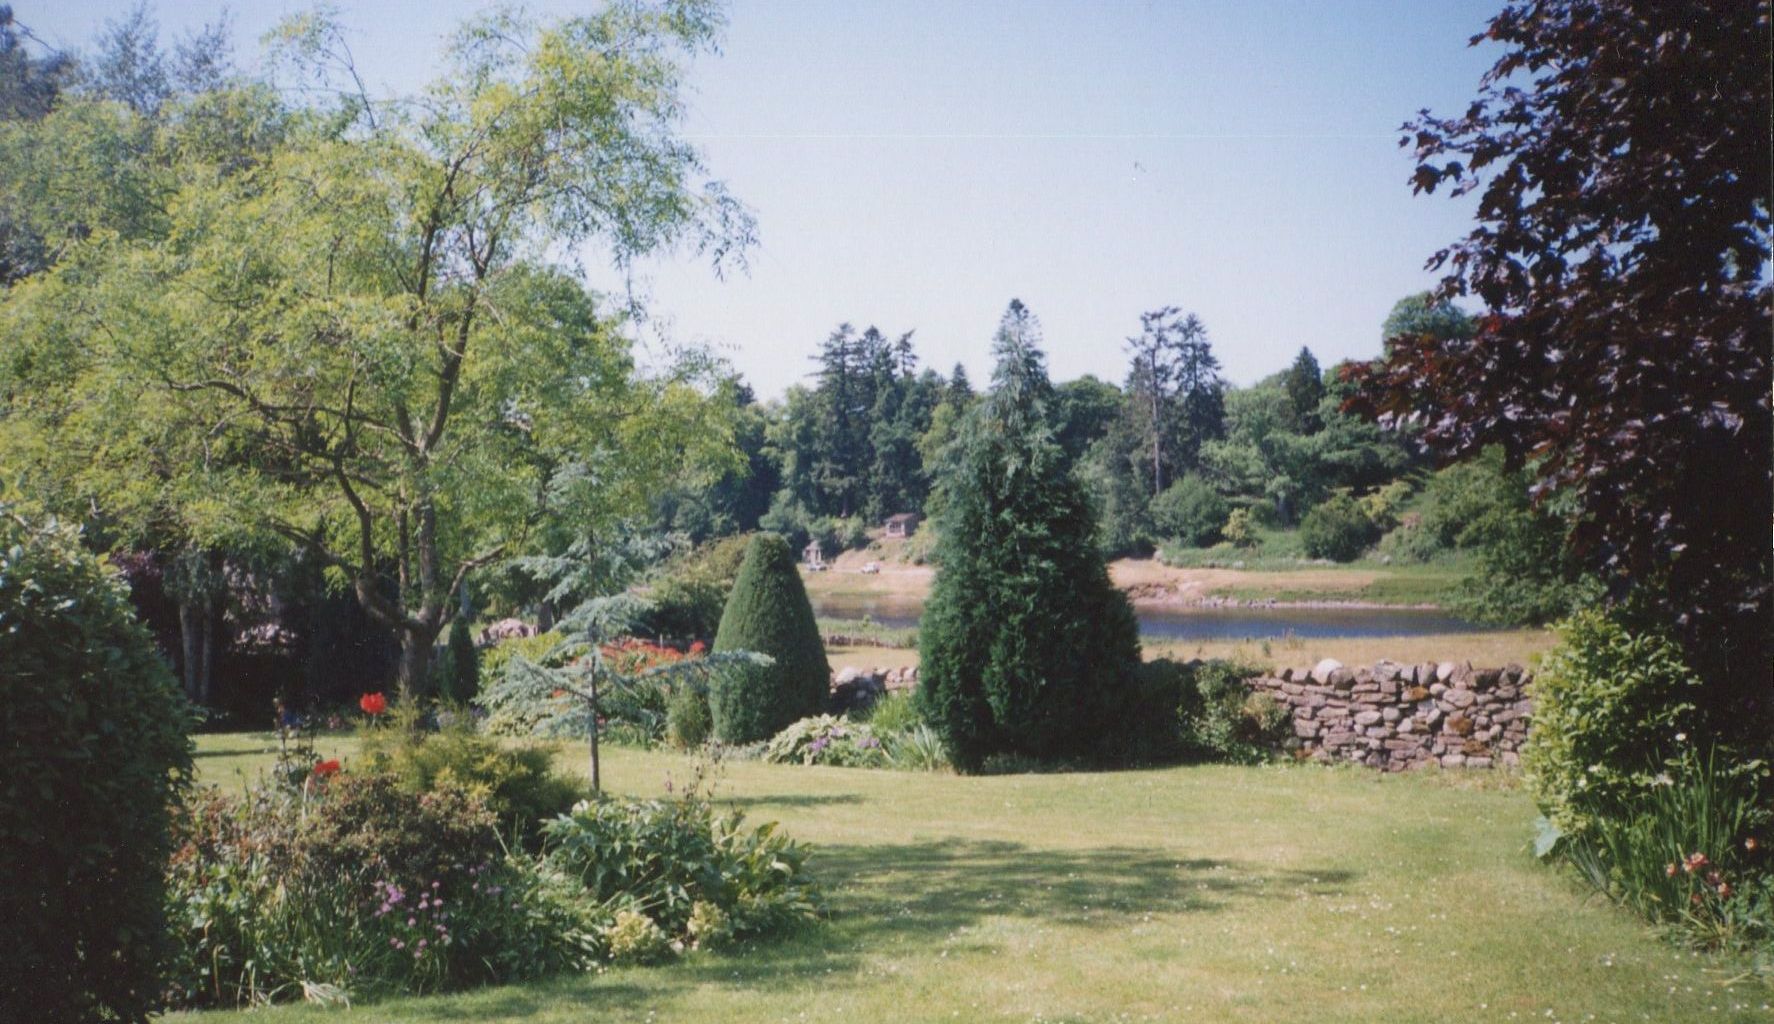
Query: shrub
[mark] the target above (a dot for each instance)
(354, 886)
(518, 784)
(664, 858)
(688, 722)
(1221, 719)
(1190, 512)
(1384, 505)
(94, 729)
(1240, 529)
(827, 740)
(1411, 541)
(1337, 529)
(768, 613)
(1612, 712)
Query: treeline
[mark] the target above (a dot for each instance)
(1176, 460)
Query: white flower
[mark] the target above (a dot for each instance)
(1681, 737)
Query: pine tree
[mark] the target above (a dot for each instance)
(1176, 399)
(1304, 382)
(960, 388)
(768, 613)
(1026, 647)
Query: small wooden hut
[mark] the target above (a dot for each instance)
(902, 525)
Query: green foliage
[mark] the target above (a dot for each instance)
(1222, 720)
(1026, 647)
(1338, 529)
(1614, 712)
(688, 721)
(917, 749)
(895, 712)
(1686, 854)
(94, 729)
(664, 858)
(687, 600)
(768, 613)
(827, 740)
(354, 886)
(1240, 529)
(1190, 512)
(541, 649)
(431, 373)
(635, 938)
(1384, 505)
(518, 784)
(1304, 383)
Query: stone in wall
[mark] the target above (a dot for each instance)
(1393, 717)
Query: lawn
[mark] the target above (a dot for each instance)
(1289, 893)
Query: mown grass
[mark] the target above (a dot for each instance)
(1289, 893)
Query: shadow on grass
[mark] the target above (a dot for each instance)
(920, 895)
(933, 888)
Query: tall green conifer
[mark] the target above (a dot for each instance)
(1026, 646)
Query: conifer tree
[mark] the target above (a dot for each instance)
(768, 613)
(1026, 646)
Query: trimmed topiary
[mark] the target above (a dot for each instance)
(94, 728)
(768, 613)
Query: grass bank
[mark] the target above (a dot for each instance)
(1489, 650)
(1275, 894)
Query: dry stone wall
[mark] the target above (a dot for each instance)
(1394, 716)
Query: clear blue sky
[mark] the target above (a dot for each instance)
(916, 164)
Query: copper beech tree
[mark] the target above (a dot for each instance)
(1620, 153)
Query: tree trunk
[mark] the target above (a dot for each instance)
(188, 649)
(415, 662)
(597, 787)
(206, 660)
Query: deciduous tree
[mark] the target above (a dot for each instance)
(1621, 157)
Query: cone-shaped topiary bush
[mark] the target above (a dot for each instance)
(94, 729)
(1026, 647)
(768, 613)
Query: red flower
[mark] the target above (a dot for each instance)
(698, 647)
(373, 704)
(326, 768)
